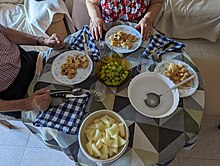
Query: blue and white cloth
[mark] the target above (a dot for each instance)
(80, 41)
(160, 41)
(66, 117)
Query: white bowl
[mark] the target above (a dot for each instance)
(83, 139)
(153, 82)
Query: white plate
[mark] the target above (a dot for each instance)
(148, 82)
(126, 29)
(187, 91)
(81, 74)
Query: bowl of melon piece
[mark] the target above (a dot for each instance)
(103, 136)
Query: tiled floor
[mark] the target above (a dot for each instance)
(20, 147)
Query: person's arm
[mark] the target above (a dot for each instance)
(22, 38)
(154, 9)
(146, 23)
(40, 100)
(93, 7)
(96, 22)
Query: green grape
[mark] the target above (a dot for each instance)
(114, 68)
(116, 83)
(108, 83)
(126, 72)
(116, 63)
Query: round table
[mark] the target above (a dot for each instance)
(152, 141)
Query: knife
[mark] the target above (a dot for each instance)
(68, 95)
(6, 124)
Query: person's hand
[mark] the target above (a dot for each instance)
(96, 28)
(146, 26)
(39, 100)
(54, 41)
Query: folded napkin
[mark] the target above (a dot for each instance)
(84, 40)
(159, 41)
(65, 117)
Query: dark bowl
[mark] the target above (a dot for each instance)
(121, 61)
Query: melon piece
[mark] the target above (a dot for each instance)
(115, 136)
(104, 156)
(90, 138)
(105, 121)
(89, 148)
(114, 144)
(114, 149)
(121, 129)
(104, 149)
(92, 126)
(90, 131)
(107, 141)
(98, 134)
(99, 143)
(111, 120)
(107, 135)
(112, 129)
(110, 152)
(96, 120)
(99, 126)
(121, 141)
(96, 151)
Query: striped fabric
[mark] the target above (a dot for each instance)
(9, 60)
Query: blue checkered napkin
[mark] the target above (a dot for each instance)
(160, 41)
(66, 117)
(80, 41)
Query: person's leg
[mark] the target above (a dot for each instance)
(18, 89)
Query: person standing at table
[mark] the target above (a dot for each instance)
(17, 69)
(144, 12)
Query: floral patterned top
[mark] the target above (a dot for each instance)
(125, 10)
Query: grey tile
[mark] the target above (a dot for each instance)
(184, 41)
(35, 142)
(14, 137)
(210, 50)
(191, 46)
(47, 157)
(198, 162)
(208, 144)
(204, 41)
(175, 162)
(193, 49)
(11, 155)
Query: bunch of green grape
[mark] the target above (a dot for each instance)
(113, 74)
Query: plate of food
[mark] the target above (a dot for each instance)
(178, 71)
(123, 38)
(71, 67)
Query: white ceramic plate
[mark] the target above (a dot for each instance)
(186, 91)
(148, 82)
(126, 29)
(81, 74)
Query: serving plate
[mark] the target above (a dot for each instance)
(183, 91)
(128, 30)
(81, 74)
